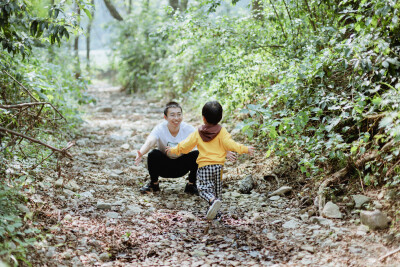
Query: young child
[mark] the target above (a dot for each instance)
(212, 141)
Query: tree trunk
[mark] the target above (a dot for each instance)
(89, 28)
(76, 46)
(184, 4)
(257, 9)
(113, 11)
(174, 4)
(51, 47)
(129, 6)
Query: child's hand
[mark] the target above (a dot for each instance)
(251, 150)
(167, 150)
(231, 156)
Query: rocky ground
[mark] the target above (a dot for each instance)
(95, 215)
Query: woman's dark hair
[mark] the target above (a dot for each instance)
(171, 105)
(212, 112)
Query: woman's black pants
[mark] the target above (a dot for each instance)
(160, 165)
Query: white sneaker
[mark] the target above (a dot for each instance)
(213, 209)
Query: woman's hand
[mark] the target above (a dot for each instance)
(139, 157)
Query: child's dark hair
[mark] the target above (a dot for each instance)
(212, 112)
(171, 104)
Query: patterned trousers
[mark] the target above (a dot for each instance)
(209, 182)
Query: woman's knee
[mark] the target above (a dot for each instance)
(155, 154)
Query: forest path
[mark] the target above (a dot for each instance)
(99, 218)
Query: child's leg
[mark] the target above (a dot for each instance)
(205, 183)
(209, 182)
(218, 183)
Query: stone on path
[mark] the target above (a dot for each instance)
(59, 183)
(246, 185)
(290, 224)
(274, 198)
(360, 200)
(112, 215)
(104, 109)
(331, 210)
(103, 206)
(281, 191)
(125, 146)
(374, 219)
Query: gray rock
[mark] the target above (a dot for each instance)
(391, 194)
(104, 109)
(68, 193)
(50, 252)
(374, 219)
(360, 200)
(104, 256)
(112, 215)
(135, 209)
(60, 239)
(59, 183)
(274, 198)
(308, 248)
(331, 210)
(271, 236)
(103, 206)
(378, 205)
(281, 191)
(235, 195)
(67, 217)
(118, 138)
(86, 194)
(290, 224)
(246, 185)
(198, 253)
(321, 221)
(76, 261)
(72, 185)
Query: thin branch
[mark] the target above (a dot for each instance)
(389, 172)
(311, 20)
(62, 151)
(26, 90)
(288, 12)
(277, 16)
(23, 105)
(35, 166)
(113, 11)
(389, 254)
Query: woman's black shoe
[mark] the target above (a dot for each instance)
(191, 189)
(150, 187)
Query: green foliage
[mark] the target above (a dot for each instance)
(26, 32)
(319, 81)
(14, 236)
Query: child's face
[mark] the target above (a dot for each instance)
(174, 116)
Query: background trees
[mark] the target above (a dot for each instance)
(314, 82)
(317, 76)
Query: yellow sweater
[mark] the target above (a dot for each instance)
(212, 152)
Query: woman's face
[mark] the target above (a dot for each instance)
(174, 116)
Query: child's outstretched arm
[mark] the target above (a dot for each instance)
(251, 150)
(231, 145)
(183, 147)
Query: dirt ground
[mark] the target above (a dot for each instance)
(95, 215)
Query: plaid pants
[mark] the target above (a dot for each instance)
(209, 182)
